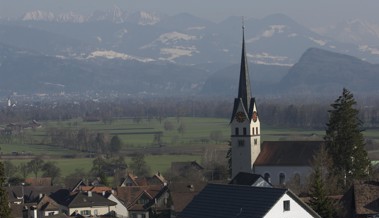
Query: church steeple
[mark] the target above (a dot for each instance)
(244, 92)
(245, 124)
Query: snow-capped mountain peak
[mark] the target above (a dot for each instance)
(71, 17)
(145, 18)
(109, 54)
(353, 31)
(38, 15)
(116, 15)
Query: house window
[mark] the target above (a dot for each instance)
(282, 179)
(286, 206)
(244, 131)
(267, 177)
(85, 212)
(255, 141)
(241, 142)
(237, 131)
(143, 201)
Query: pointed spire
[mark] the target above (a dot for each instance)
(244, 84)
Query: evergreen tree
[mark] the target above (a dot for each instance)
(319, 201)
(4, 208)
(322, 185)
(345, 142)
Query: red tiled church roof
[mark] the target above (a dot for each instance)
(287, 153)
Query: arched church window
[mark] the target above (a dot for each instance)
(237, 131)
(244, 131)
(257, 131)
(282, 179)
(267, 177)
(296, 179)
(253, 130)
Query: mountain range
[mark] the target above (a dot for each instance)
(155, 54)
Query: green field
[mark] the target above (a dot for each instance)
(138, 136)
(157, 163)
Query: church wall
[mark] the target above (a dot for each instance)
(241, 156)
(289, 172)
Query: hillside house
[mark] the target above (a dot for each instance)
(135, 197)
(225, 201)
(361, 200)
(87, 204)
(172, 199)
(250, 179)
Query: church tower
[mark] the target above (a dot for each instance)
(244, 124)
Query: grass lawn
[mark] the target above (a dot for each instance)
(142, 134)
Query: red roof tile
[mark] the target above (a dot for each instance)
(287, 153)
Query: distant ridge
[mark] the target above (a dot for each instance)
(320, 72)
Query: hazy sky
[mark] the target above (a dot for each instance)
(309, 12)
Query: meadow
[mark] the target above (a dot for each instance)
(197, 135)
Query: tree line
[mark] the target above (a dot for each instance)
(280, 112)
(83, 140)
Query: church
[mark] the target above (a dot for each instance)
(279, 162)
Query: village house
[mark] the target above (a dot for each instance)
(135, 197)
(172, 199)
(361, 200)
(225, 201)
(86, 204)
(250, 179)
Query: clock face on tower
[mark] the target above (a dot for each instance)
(255, 116)
(240, 117)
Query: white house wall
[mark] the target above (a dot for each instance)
(296, 210)
(100, 210)
(120, 209)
